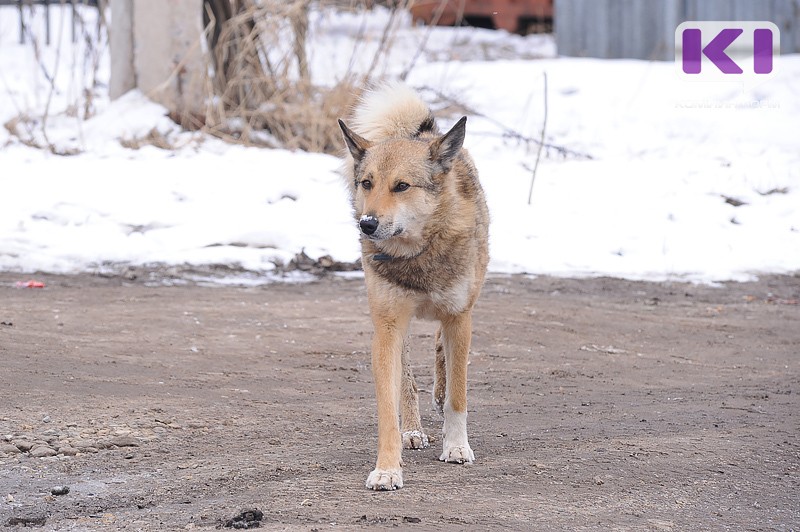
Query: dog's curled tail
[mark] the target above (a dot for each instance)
(392, 110)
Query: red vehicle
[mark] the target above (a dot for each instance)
(519, 16)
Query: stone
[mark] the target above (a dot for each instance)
(68, 451)
(7, 448)
(43, 451)
(23, 445)
(59, 490)
(124, 441)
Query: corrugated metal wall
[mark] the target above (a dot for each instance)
(645, 29)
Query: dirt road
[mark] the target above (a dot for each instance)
(594, 405)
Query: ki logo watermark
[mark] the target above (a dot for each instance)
(743, 52)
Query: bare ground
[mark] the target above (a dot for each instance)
(594, 405)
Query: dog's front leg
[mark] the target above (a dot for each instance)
(456, 337)
(387, 347)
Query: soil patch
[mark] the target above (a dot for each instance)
(594, 404)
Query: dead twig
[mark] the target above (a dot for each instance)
(385, 44)
(434, 22)
(505, 131)
(541, 141)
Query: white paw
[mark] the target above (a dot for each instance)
(458, 454)
(385, 479)
(415, 439)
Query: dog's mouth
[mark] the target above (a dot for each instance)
(380, 235)
(375, 237)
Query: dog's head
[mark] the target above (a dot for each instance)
(397, 185)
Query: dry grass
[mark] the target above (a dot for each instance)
(83, 85)
(261, 91)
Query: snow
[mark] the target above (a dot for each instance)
(640, 194)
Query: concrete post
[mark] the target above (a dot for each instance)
(168, 52)
(123, 76)
(169, 60)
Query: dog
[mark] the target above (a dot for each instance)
(424, 241)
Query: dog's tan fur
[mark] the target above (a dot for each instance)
(418, 192)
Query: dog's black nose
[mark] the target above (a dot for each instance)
(368, 224)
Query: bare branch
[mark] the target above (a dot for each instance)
(506, 132)
(541, 141)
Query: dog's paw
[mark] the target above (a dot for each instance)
(385, 479)
(459, 454)
(415, 439)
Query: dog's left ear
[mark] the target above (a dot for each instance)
(357, 144)
(444, 150)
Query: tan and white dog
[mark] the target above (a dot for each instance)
(424, 238)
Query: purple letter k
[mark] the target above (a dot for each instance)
(715, 50)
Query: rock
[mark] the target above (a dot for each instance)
(67, 451)
(59, 490)
(26, 521)
(82, 444)
(124, 441)
(246, 519)
(23, 445)
(7, 448)
(42, 451)
(46, 419)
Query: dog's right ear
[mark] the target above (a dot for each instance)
(357, 144)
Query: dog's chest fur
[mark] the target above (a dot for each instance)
(440, 278)
(429, 272)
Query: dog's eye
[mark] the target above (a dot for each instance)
(366, 184)
(400, 187)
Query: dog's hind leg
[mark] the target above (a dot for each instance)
(411, 424)
(439, 375)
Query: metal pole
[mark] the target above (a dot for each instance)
(47, 21)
